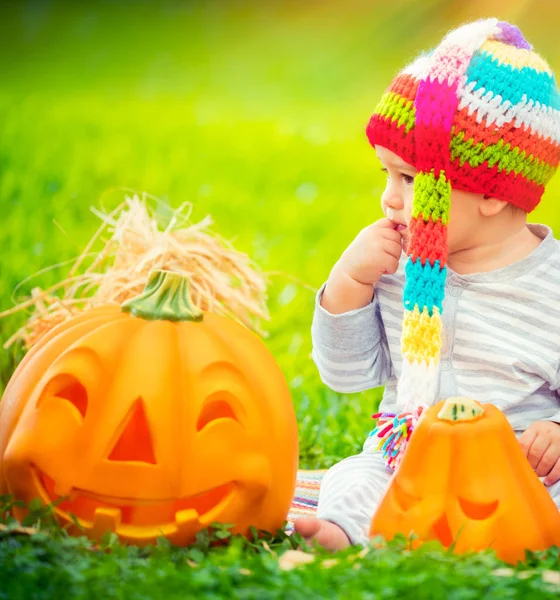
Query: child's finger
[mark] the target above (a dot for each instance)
(538, 448)
(547, 461)
(554, 474)
(526, 440)
(385, 223)
(393, 248)
(391, 265)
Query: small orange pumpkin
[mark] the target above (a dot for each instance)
(154, 419)
(464, 479)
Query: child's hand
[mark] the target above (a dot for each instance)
(376, 250)
(541, 445)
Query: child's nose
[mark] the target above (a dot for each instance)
(392, 200)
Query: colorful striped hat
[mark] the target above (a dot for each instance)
(480, 113)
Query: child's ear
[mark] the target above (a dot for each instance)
(490, 207)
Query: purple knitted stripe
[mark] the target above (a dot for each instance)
(511, 35)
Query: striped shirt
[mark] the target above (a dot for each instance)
(501, 338)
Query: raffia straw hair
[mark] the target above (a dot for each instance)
(223, 280)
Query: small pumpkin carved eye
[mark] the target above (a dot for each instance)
(478, 510)
(405, 500)
(69, 388)
(217, 406)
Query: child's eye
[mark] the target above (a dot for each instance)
(408, 179)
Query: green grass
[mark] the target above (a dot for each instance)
(66, 569)
(255, 113)
(50, 564)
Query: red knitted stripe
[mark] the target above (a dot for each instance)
(404, 85)
(428, 241)
(522, 137)
(482, 180)
(386, 133)
(432, 148)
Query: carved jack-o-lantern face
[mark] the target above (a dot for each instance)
(464, 479)
(151, 427)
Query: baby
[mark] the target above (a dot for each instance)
(468, 135)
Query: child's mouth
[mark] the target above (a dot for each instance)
(403, 230)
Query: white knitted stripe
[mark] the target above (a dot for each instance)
(461, 44)
(451, 58)
(470, 36)
(419, 67)
(543, 120)
(417, 384)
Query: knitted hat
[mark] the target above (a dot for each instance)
(480, 113)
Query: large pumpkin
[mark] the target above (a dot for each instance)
(154, 419)
(464, 479)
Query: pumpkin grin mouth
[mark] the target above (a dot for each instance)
(108, 513)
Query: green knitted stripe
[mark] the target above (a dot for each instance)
(432, 197)
(503, 155)
(397, 108)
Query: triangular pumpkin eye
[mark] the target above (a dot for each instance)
(135, 441)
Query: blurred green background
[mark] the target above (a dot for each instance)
(254, 112)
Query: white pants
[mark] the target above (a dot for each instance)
(352, 489)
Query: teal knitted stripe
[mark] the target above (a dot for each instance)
(425, 285)
(510, 83)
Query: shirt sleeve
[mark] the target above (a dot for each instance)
(555, 386)
(556, 416)
(350, 349)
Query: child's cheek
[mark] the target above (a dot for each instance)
(408, 210)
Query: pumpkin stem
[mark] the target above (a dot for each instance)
(166, 297)
(460, 409)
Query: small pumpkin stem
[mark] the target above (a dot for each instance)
(166, 297)
(460, 409)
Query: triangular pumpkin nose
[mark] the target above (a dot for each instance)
(135, 441)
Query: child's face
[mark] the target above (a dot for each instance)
(396, 201)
